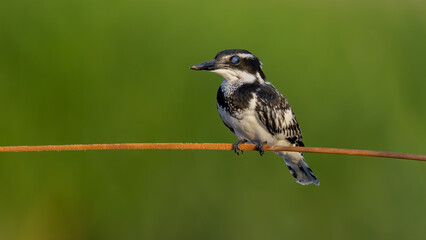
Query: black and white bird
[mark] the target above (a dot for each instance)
(255, 111)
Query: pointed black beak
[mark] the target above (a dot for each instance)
(206, 66)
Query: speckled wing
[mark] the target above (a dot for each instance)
(275, 113)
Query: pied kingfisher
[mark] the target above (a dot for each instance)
(255, 111)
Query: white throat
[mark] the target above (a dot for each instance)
(237, 75)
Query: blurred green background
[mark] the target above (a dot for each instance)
(89, 71)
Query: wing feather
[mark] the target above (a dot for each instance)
(275, 113)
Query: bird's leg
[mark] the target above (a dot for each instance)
(236, 146)
(260, 148)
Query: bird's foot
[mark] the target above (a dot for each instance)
(260, 148)
(236, 146)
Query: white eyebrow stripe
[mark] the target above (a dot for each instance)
(245, 55)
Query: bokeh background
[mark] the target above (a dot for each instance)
(88, 71)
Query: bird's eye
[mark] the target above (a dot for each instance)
(235, 59)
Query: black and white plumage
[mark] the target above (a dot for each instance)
(254, 110)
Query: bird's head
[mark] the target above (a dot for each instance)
(234, 65)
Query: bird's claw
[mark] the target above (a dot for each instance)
(260, 148)
(236, 146)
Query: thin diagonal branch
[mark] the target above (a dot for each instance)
(209, 146)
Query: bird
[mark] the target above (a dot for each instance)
(255, 111)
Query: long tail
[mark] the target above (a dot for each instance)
(298, 168)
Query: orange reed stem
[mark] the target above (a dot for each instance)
(208, 146)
